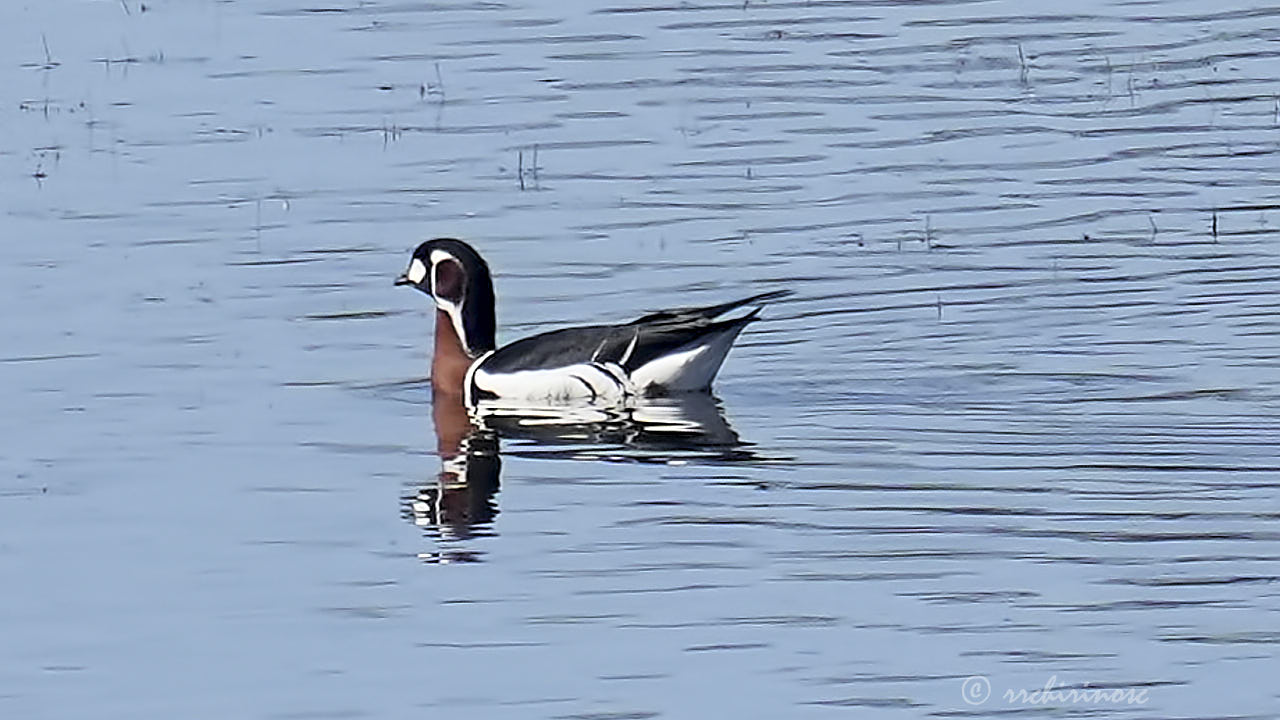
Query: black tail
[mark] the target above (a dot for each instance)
(694, 314)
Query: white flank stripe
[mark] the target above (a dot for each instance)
(597, 383)
(469, 376)
(630, 348)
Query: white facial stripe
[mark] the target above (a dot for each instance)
(456, 318)
(417, 271)
(438, 255)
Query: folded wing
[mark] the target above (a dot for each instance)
(678, 350)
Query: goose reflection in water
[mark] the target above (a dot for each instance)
(461, 501)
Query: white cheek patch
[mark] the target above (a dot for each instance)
(417, 271)
(438, 255)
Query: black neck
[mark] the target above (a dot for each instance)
(479, 323)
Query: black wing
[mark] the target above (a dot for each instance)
(658, 339)
(630, 345)
(708, 312)
(560, 348)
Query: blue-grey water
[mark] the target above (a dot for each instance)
(1020, 420)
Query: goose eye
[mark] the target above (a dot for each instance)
(448, 281)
